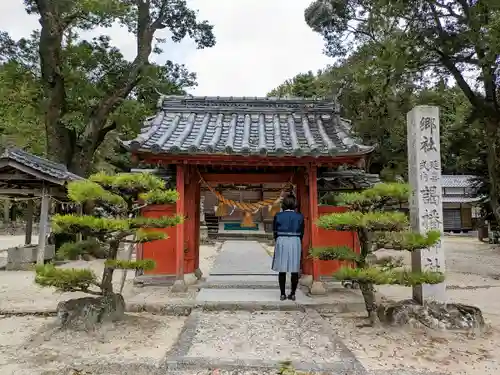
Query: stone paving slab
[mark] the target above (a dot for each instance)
(250, 295)
(242, 258)
(247, 279)
(261, 340)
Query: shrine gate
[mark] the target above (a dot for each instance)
(217, 141)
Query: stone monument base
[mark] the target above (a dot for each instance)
(22, 258)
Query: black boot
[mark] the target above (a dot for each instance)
(282, 282)
(295, 282)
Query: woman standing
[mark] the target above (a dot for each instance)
(288, 229)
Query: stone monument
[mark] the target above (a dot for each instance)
(426, 206)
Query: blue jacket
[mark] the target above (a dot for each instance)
(288, 223)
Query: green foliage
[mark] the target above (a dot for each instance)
(100, 225)
(356, 220)
(376, 97)
(144, 264)
(409, 241)
(161, 222)
(85, 190)
(124, 182)
(392, 64)
(72, 250)
(379, 195)
(390, 276)
(160, 197)
(142, 236)
(65, 280)
(21, 121)
(343, 253)
(389, 262)
(115, 203)
(87, 224)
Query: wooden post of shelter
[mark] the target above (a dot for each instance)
(44, 218)
(29, 222)
(79, 211)
(6, 211)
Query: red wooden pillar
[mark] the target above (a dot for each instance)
(196, 182)
(313, 214)
(190, 223)
(303, 201)
(179, 244)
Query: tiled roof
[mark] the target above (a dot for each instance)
(461, 199)
(357, 177)
(458, 181)
(39, 164)
(247, 126)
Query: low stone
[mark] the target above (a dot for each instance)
(317, 288)
(88, 312)
(432, 314)
(198, 273)
(190, 279)
(179, 286)
(306, 280)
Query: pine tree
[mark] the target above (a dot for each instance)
(116, 202)
(377, 227)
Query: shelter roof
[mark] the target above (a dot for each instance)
(22, 173)
(247, 126)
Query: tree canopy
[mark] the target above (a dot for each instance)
(378, 111)
(428, 41)
(78, 91)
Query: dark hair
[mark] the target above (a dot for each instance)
(289, 202)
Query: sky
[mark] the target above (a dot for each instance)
(260, 44)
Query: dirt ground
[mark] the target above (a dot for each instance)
(46, 349)
(389, 348)
(472, 277)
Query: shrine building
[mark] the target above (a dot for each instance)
(230, 159)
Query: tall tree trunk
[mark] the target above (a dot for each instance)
(63, 145)
(107, 276)
(59, 143)
(368, 292)
(493, 162)
(367, 289)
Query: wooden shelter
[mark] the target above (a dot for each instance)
(217, 141)
(27, 176)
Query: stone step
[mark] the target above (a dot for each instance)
(241, 281)
(226, 236)
(257, 296)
